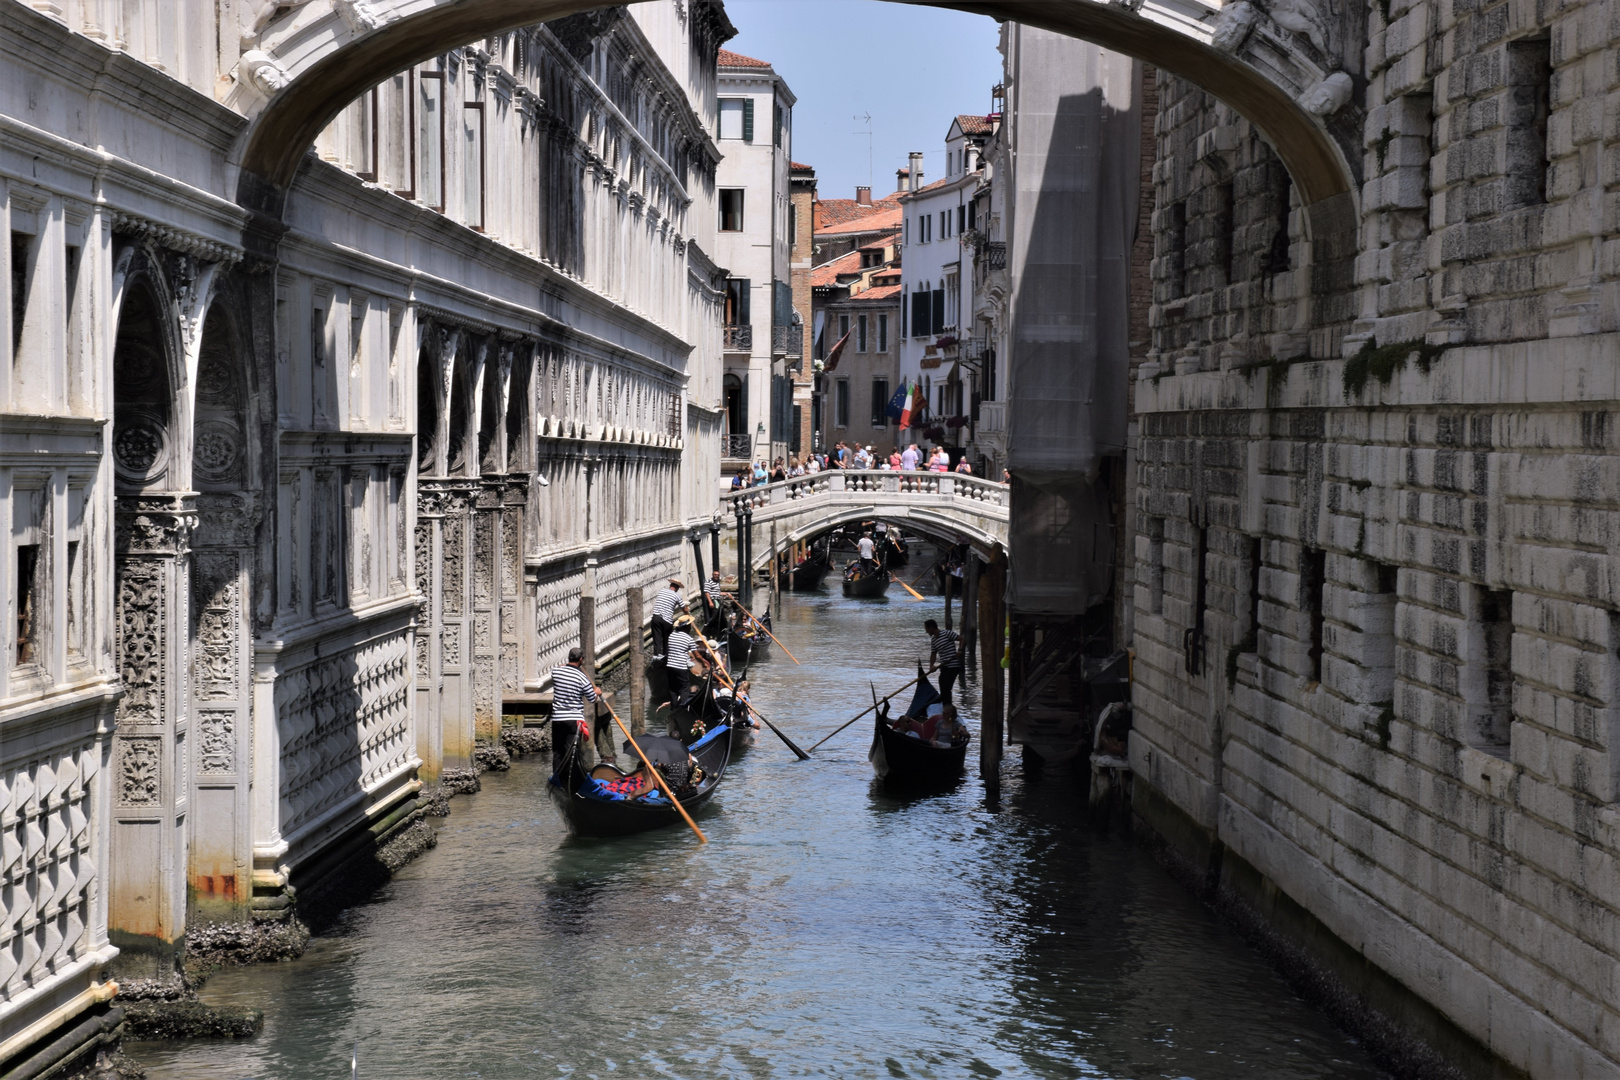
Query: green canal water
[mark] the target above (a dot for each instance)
(828, 929)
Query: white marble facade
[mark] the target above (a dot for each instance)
(289, 508)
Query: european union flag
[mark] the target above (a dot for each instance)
(897, 404)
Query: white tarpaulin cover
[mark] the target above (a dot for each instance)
(1074, 129)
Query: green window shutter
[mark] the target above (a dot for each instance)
(748, 119)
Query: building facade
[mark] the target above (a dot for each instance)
(858, 306)
(1374, 585)
(754, 218)
(936, 294)
(288, 512)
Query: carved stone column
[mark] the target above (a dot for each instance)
(487, 577)
(429, 718)
(515, 620)
(221, 708)
(448, 587)
(150, 778)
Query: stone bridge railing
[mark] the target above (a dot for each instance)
(941, 505)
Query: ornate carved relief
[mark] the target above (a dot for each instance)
(224, 520)
(483, 639)
(140, 771)
(140, 447)
(452, 645)
(483, 556)
(217, 454)
(424, 659)
(142, 647)
(216, 742)
(215, 591)
(452, 563)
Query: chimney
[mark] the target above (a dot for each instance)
(900, 179)
(863, 196)
(915, 172)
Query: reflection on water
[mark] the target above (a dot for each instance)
(829, 928)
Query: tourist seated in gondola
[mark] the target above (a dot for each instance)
(673, 761)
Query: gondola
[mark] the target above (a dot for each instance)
(895, 553)
(865, 584)
(590, 814)
(808, 574)
(902, 759)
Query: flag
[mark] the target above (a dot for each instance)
(910, 404)
(837, 351)
(897, 404)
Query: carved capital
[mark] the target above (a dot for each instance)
(154, 524)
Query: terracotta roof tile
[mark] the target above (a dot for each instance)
(838, 211)
(731, 59)
(797, 167)
(974, 125)
(827, 273)
(881, 292)
(887, 217)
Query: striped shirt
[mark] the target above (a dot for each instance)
(570, 689)
(711, 589)
(664, 605)
(678, 649)
(944, 646)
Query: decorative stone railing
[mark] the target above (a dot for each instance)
(942, 504)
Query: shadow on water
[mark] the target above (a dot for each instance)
(831, 927)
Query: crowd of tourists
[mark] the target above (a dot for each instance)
(847, 456)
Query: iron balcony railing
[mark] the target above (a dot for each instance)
(739, 338)
(787, 341)
(992, 255)
(736, 446)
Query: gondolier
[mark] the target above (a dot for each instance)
(664, 607)
(943, 650)
(712, 591)
(678, 657)
(571, 688)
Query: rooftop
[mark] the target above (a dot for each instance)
(738, 60)
(837, 212)
(885, 216)
(975, 125)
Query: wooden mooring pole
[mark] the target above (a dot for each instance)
(970, 607)
(992, 680)
(638, 662)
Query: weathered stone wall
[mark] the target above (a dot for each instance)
(1396, 698)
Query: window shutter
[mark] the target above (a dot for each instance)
(939, 311)
(745, 315)
(748, 119)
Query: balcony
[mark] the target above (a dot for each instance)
(992, 255)
(787, 341)
(738, 339)
(736, 447)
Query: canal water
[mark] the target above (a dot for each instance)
(827, 929)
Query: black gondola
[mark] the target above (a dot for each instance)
(859, 581)
(809, 573)
(894, 548)
(590, 814)
(902, 759)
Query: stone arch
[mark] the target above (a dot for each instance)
(1288, 67)
(981, 541)
(147, 373)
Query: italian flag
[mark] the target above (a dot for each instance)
(909, 406)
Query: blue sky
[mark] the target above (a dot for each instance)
(911, 68)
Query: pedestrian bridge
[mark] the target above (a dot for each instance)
(944, 506)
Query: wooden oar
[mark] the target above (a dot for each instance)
(863, 712)
(910, 590)
(714, 662)
(767, 630)
(658, 777)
